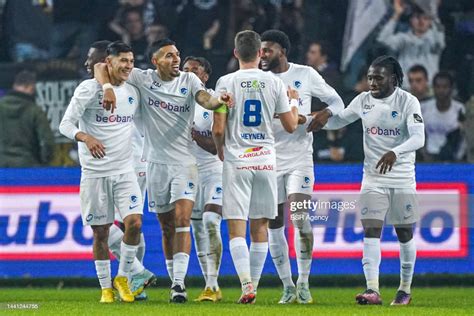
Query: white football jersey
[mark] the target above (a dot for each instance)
(167, 115)
(113, 130)
(385, 123)
(439, 124)
(258, 96)
(203, 119)
(296, 149)
(138, 141)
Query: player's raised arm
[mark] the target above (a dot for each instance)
(101, 74)
(207, 101)
(218, 130)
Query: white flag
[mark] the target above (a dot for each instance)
(362, 17)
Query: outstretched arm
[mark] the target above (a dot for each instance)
(207, 101)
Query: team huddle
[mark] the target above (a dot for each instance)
(238, 153)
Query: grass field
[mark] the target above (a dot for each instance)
(328, 301)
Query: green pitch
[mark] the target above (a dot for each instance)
(328, 301)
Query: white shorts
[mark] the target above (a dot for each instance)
(209, 192)
(141, 178)
(398, 206)
(249, 193)
(100, 197)
(168, 183)
(292, 181)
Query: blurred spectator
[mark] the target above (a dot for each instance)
(75, 22)
(318, 57)
(443, 118)
(292, 23)
(26, 139)
(422, 44)
(27, 30)
(469, 126)
(128, 25)
(418, 80)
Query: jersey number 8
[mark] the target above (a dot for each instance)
(252, 113)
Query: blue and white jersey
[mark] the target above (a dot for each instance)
(113, 130)
(167, 109)
(258, 96)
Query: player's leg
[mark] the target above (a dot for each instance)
(237, 185)
(211, 199)
(141, 176)
(299, 187)
(158, 183)
(278, 244)
(304, 247)
(129, 203)
(201, 241)
(102, 261)
(98, 212)
(403, 214)
(183, 194)
(374, 204)
(258, 248)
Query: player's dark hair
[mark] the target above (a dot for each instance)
(247, 43)
(155, 46)
(203, 62)
(117, 47)
(392, 65)
(25, 78)
(444, 75)
(419, 68)
(101, 46)
(278, 37)
(325, 47)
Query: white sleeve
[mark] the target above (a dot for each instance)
(416, 130)
(282, 103)
(346, 116)
(326, 93)
(68, 126)
(195, 84)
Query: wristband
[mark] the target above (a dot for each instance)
(294, 103)
(222, 109)
(107, 86)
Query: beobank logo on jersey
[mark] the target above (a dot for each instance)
(114, 118)
(168, 106)
(375, 130)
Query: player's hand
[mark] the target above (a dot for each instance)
(227, 98)
(96, 148)
(292, 93)
(398, 8)
(320, 119)
(386, 162)
(301, 119)
(109, 101)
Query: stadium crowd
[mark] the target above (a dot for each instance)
(433, 40)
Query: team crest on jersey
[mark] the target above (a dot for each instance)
(133, 199)
(218, 190)
(307, 180)
(297, 84)
(183, 91)
(130, 100)
(205, 115)
(191, 185)
(394, 114)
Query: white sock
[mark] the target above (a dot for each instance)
(279, 252)
(180, 267)
(169, 268)
(304, 252)
(115, 240)
(212, 224)
(407, 265)
(258, 254)
(141, 248)
(371, 262)
(201, 242)
(102, 267)
(128, 254)
(241, 258)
